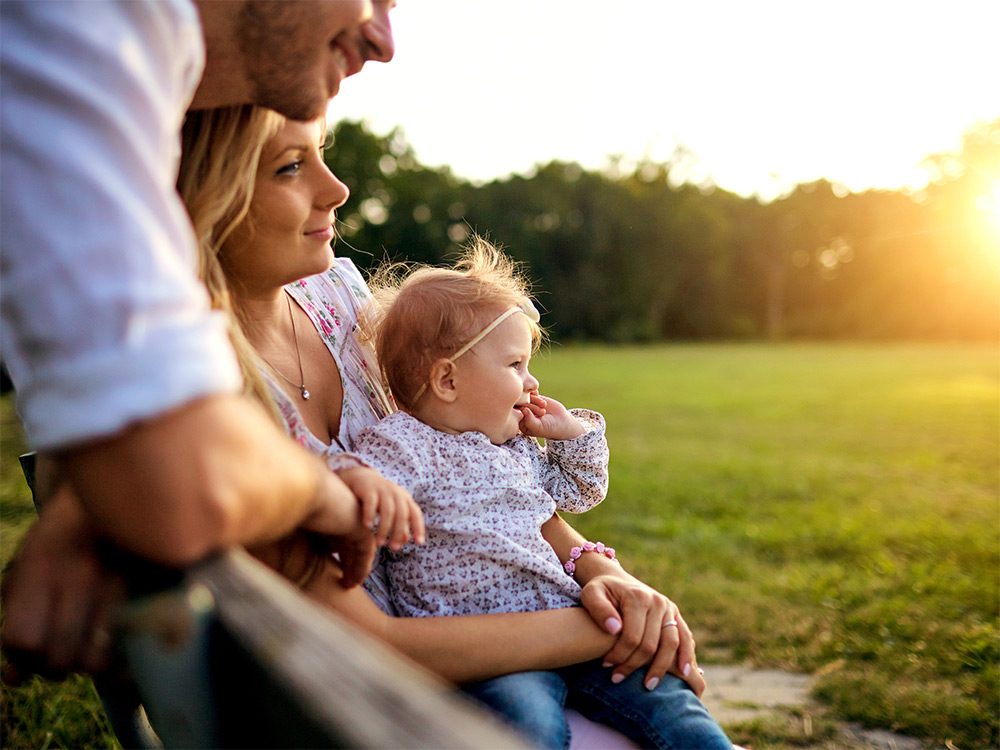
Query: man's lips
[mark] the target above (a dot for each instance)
(347, 59)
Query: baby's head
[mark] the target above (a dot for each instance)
(439, 314)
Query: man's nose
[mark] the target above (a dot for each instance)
(377, 32)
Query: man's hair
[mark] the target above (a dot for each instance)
(431, 313)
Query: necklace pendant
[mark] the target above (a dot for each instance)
(305, 393)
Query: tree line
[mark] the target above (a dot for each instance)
(638, 254)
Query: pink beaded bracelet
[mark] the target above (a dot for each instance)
(577, 552)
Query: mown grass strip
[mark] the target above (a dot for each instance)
(828, 508)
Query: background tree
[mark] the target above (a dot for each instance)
(642, 254)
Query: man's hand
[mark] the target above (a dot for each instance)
(652, 630)
(59, 598)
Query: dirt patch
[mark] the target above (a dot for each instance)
(738, 694)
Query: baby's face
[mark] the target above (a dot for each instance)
(492, 381)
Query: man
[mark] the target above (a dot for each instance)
(125, 378)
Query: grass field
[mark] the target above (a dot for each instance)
(831, 509)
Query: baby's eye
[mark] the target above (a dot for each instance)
(291, 169)
(516, 364)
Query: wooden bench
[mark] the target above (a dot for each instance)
(231, 655)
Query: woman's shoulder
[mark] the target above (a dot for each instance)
(342, 279)
(343, 271)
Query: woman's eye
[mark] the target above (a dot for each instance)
(291, 169)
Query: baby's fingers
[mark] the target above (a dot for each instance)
(401, 530)
(368, 498)
(417, 526)
(358, 481)
(409, 520)
(536, 410)
(386, 519)
(530, 422)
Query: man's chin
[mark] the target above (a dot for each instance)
(298, 108)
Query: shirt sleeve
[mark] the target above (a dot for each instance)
(575, 472)
(104, 322)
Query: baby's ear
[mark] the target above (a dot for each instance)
(442, 381)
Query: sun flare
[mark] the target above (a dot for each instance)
(995, 208)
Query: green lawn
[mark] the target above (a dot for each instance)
(833, 509)
(39, 714)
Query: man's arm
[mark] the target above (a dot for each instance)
(211, 474)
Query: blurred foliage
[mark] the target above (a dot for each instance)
(639, 255)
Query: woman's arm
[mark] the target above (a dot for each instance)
(470, 647)
(621, 602)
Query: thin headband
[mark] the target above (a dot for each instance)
(525, 307)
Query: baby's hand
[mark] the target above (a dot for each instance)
(547, 418)
(399, 517)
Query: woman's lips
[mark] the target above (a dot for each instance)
(325, 233)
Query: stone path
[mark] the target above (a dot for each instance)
(736, 694)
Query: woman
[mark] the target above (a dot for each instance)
(262, 201)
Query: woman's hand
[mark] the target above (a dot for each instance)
(547, 418)
(652, 630)
(398, 517)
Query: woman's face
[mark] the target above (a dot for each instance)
(288, 231)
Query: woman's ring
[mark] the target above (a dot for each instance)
(669, 623)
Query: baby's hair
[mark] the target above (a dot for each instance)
(426, 314)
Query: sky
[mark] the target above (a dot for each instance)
(766, 94)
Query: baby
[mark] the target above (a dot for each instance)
(455, 346)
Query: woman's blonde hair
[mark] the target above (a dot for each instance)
(424, 314)
(220, 154)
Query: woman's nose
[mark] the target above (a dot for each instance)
(335, 193)
(377, 32)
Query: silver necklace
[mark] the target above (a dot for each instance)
(295, 337)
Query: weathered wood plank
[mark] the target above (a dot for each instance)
(317, 680)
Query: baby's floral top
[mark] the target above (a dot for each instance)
(484, 506)
(333, 300)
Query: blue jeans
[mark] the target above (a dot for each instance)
(671, 716)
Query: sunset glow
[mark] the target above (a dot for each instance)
(993, 210)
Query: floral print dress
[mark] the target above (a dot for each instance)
(333, 301)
